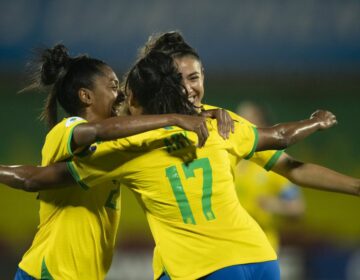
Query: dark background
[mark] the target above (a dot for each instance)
(291, 56)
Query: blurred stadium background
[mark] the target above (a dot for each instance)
(292, 56)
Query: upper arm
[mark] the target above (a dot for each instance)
(83, 135)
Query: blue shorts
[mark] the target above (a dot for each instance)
(260, 271)
(22, 275)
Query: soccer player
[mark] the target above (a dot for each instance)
(265, 195)
(187, 193)
(76, 235)
(189, 64)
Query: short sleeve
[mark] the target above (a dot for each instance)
(57, 146)
(243, 141)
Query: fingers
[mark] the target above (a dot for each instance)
(203, 134)
(225, 123)
(221, 123)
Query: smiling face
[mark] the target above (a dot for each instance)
(105, 92)
(193, 77)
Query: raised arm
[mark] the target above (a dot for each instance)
(316, 176)
(35, 178)
(283, 135)
(118, 127)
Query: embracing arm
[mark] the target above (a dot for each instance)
(118, 127)
(316, 176)
(36, 178)
(224, 121)
(283, 135)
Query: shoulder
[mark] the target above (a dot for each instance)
(67, 123)
(233, 115)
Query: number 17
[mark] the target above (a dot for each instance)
(173, 176)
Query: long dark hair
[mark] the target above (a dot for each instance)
(61, 76)
(157, 86)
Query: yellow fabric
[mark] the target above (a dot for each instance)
(192, 208)
(77, 230)
(254, 183)
(260, 158)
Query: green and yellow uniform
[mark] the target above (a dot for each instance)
(76, 235)
(264, 159)
(188, 195)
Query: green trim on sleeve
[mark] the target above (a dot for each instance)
(80, 121)
(69, 141)
(255, 143)
(273, 160)
(76, 176)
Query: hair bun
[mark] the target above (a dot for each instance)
(54, 60)
(173, 37)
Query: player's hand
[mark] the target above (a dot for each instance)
(224, 121)
(325, 119)
(196, 124)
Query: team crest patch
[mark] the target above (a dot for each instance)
(72, 120)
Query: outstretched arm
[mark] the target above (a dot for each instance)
(118, 127)
(284, 135)
(316, 176)
(36, 178)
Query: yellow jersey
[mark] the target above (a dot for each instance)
(76, 235)
(187, 193)
(265, 159)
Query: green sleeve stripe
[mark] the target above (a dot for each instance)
(255, 143)
(273, 160)
(75, 175)
(71, 136)
(69, 141)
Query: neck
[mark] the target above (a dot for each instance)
(90, 116)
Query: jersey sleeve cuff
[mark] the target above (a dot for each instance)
(269, 165)
(75, 175)
(71, 134)
(256, 140)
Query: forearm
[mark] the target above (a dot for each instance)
(293, 132)
(118, 127)
(35, 178)
(282, 136)
(16, 176)
(319, 177)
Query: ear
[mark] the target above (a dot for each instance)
(85, 96)
(133, 105)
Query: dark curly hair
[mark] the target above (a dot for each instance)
(157, 86)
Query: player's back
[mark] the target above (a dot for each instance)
(188, 195)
